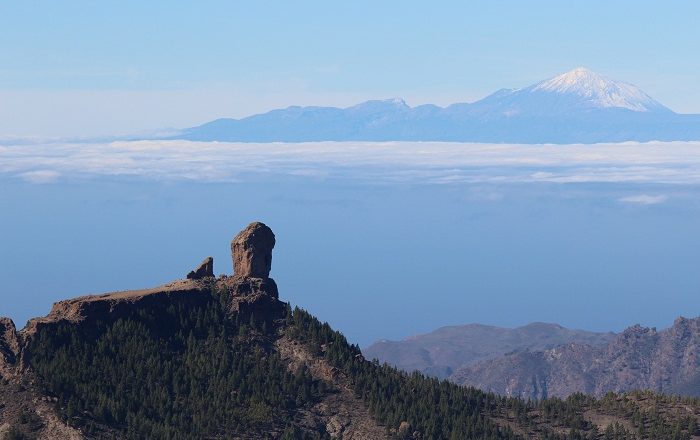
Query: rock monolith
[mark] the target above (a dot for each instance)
(251, 251)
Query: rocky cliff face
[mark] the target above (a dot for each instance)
(637, 359)
(251, 290)
(251, 250)
(9, 346)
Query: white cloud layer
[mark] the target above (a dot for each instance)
(40, 176)
(644, 199)
(424, 162)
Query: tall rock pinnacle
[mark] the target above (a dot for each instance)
(251, 250)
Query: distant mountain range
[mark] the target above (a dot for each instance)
(448, 349)
(546, 360)
(579, 106)
(639, 358)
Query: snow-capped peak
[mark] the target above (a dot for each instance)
(599, 91)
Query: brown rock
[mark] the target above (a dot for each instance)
(8, 335)
(404, 429)
(206, 269)
(251, 250)
(116, 305)
(256, 296)
(250, 287)
(9, 345)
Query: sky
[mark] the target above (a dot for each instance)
(382, 240)
(85, 68)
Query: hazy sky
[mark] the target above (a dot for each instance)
(383, 240)
(83, 67)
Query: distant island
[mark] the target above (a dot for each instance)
(579, 106)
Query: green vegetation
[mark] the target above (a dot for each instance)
(194, 372)
(441, 410)
(15, 434)
(181, 373)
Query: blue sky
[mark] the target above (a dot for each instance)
(84, 68)
(380, 240)
(383, 240)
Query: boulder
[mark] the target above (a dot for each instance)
(404, 429)
(206, 269)
(251, 251)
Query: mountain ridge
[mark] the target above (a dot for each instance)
(579, 106)
(638, 358)
(223, 357)
(445, 350)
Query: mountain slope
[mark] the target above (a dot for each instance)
(223, 358)
(639, 358)
(579, 106)
(447, 349)
(595, 91)
(213, 358)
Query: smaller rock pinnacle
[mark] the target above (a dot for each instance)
(206, 269)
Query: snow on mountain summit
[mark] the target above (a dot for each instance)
(599, 91)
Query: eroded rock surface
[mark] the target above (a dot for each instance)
(205, 269)
(257, 296)
(341, 413)
(21, 404)
(116, 304)
(9, 346)
(251, 251)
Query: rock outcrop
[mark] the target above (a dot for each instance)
(253, 291)
(116, 304)
(639, 358)
(9, 342)
(22, 404)
(341, 413)
(251, 251)
(9, 346)
(250, 293)
(204, 270)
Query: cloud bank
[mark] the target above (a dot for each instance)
(644, 199)
(387, 162)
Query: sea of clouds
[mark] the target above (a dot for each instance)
(377, 162)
